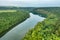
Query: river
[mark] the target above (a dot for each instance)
(18, 32)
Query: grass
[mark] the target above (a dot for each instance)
(8, 11)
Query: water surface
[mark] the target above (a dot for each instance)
(18, 32)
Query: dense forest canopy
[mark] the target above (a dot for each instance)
(49, 29)
(10, 18)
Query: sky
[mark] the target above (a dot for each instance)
(30, 3)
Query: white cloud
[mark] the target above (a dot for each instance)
(29, 3)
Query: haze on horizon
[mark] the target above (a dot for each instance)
(30, 3)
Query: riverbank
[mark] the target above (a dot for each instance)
(49, 29)
(10, 20)
(18, 32)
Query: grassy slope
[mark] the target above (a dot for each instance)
(49, 29)
(9, 19)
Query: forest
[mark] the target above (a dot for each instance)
(49, 29)
(10, 18)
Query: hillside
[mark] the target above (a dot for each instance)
(49, 29)
(10, 18)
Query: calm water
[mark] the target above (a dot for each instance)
(18, 32)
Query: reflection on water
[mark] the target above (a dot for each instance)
(19, 31)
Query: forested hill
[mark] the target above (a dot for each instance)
(11, 18)
(49, 29)
(16, 8)
(6, 7)
(44, 11)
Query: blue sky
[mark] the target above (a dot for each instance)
(30, 3)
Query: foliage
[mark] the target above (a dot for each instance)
(49, 29)
(9, 19)
(44, 11)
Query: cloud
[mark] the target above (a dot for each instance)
(30, 3)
